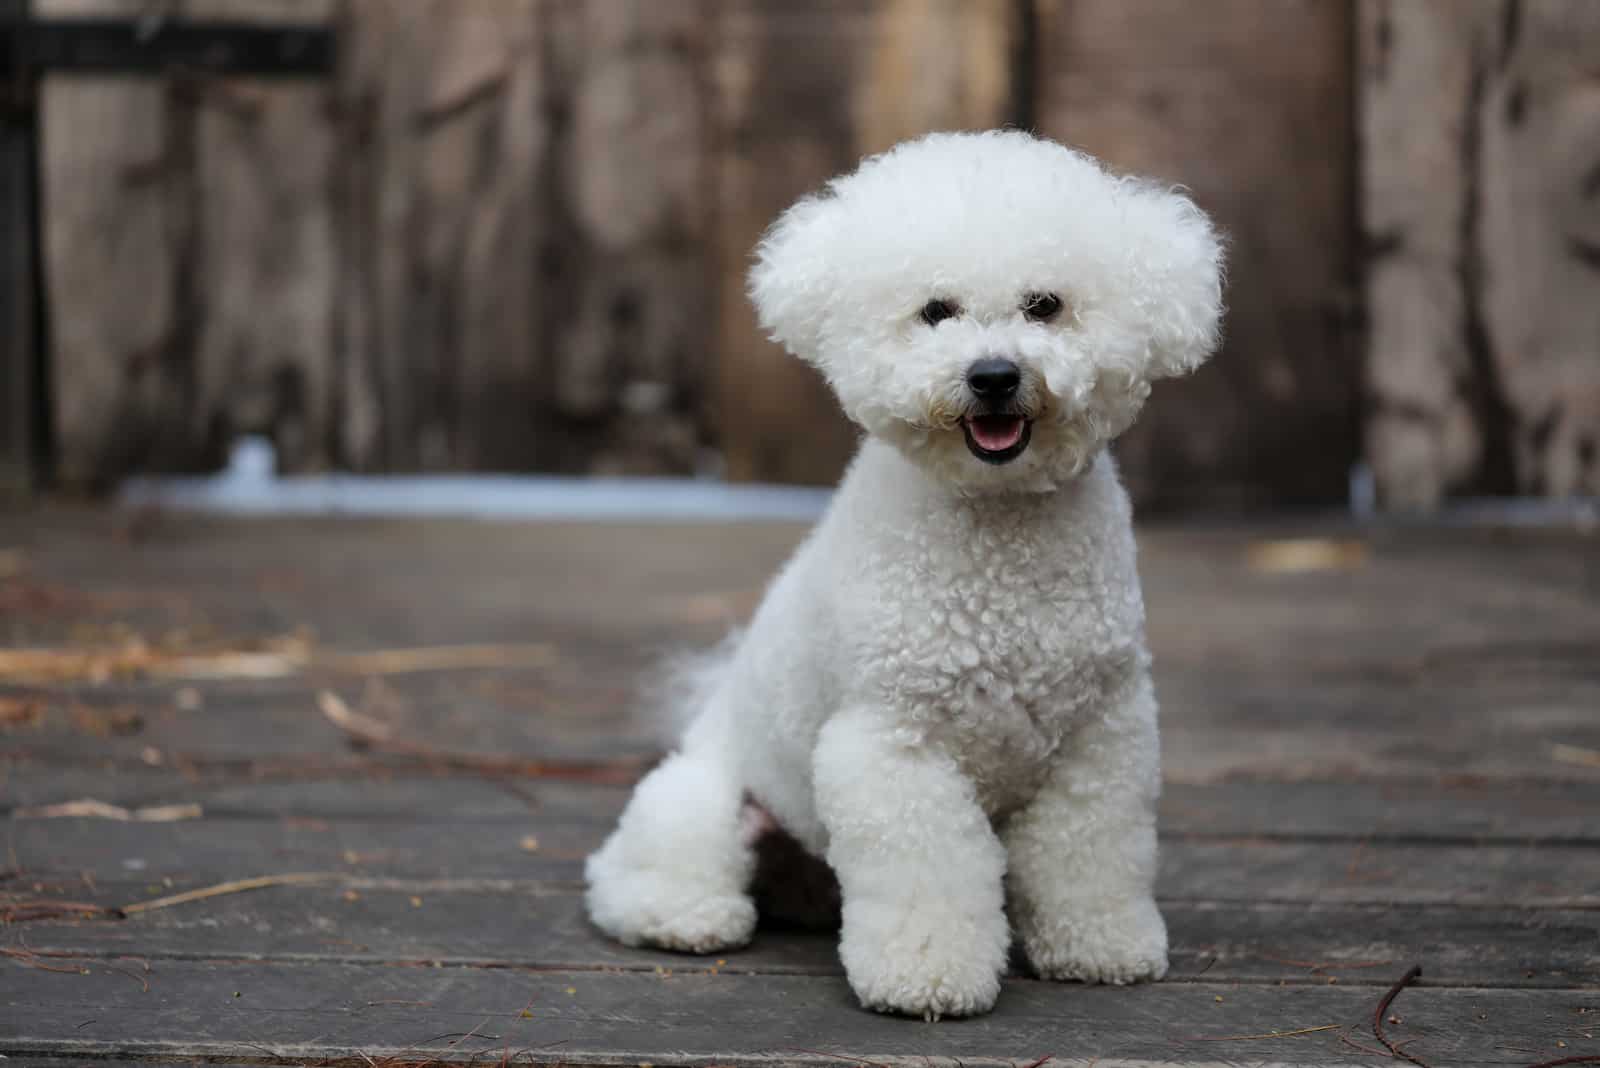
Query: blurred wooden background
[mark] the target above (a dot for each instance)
(512, 234)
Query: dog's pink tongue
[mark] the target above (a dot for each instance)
(996, 433)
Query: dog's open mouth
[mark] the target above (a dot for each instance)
(997, 439)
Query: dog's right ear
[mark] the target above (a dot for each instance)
(791, 283)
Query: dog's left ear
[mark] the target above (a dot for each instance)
(1183, 276)
(790, 282)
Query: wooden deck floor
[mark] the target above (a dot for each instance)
(1391, 761)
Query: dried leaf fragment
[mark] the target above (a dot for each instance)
(1582, 756)
(89, 808)
(1287, 556)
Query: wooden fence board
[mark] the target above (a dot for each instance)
(120, 211)
(188, 261)
(440, 114)
(1250, 107)
(1480, 215)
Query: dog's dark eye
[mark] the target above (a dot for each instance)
(937, 311)
(1041, 307)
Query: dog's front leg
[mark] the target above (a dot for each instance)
(1082, 855)
(920, 869)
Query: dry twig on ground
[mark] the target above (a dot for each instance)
(1404, 981)
(237, 886)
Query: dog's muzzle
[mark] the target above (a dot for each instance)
(996, 432)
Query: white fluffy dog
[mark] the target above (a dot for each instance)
(946, 693)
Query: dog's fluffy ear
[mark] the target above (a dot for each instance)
(790, 283)
(1182, 277)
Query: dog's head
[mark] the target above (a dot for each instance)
(994, 304)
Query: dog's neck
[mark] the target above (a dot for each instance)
(892, 475)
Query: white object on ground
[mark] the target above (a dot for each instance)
(248, 486)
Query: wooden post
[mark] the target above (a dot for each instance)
(24, 409)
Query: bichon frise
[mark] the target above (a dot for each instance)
(946, 693)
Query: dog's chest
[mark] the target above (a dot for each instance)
(1013, 644)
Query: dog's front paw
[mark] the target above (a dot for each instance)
(1121, 942)
(923, 963)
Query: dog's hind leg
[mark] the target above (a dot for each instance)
(675, 872)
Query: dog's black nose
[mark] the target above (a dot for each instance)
(994, 378)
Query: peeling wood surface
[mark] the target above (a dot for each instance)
(1396, 761)
(1480, 208)
(514, 235)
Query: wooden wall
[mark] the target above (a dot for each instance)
(1481, 227)
(189, 246)
(512, 234)
(1251, 108)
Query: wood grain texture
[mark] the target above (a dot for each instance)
(627, 261)
(306, 1013)
(189, 253)
(117, 167)
(1479, 216)
(443, 852)
(443, 146)
(1363, 772)
(1251, 109)
(547, 927)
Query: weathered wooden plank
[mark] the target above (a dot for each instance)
(344, 791)
(626, 260)
(1417, 606)
(445, 147)
(375, 585)
(784, 124)
(546, 927)
(1263, 136)
(578, 701)
(1479, 212)
(264, 279)
(1193, 867)
(203, 203)
(115, 161)
(1423, 661)
(1505, 812)
(300, 1012)
(1539, 269)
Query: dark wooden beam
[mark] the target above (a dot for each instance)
(154, 46)
(30, 48)
(24, 404)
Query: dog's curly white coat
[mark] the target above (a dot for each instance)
(946, 693)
